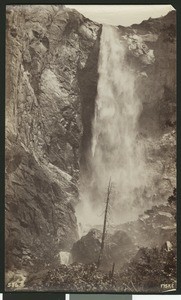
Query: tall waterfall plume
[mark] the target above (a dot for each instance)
(116, 150)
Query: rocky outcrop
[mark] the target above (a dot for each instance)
(156, 87)
(156, 228)
(118, 249)
(47, 49)
(87, 249)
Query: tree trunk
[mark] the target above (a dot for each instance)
(105, 221)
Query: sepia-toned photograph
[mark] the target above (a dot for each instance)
(90, 148)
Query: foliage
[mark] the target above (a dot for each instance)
(75, 277)
(150, 269)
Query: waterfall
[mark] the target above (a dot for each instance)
(116, 150)
(64, 257)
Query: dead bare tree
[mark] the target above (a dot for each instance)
(105, 223)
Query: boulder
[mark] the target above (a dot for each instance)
(87, 249)
(118, 249)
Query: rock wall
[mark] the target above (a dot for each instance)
(47, 48)
(151, 52)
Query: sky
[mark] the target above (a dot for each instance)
(125, 15)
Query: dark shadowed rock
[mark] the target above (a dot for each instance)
(87, 249)
(47, 46)
(118, 249)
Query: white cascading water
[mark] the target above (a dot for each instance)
(64, 258)
(116, 149)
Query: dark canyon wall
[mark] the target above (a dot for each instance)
(47, 50)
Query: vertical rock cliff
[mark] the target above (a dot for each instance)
(48, 48)
(153, 44)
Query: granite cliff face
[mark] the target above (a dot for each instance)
(48, 49)
(153, 44)
(51, 84)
